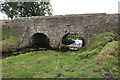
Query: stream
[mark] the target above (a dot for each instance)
(16, 52)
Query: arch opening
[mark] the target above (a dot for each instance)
(40, 40)
(72, 40)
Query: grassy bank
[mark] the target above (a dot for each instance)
(8, 39)
(99, 61)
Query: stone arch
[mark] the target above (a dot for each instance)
(33, 33)
(82, 38)
(39, 40)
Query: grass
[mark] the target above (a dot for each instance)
(6, 33)
(101, 40)
(9, 43)
(99, 61)
(47, 64)
(8, 40)
(108, 58)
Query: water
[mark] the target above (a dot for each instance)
(76, 45)
(27, 50)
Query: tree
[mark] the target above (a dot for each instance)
(26, 9)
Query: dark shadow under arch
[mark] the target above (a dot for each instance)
(40, 40)
(65, 40)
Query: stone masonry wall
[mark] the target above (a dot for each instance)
(55, 27)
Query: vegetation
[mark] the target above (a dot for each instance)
(70, 38)
(8, 40)
(99, 61)
(9, 43)
(101, 40)
(26, 9)
(108, 59)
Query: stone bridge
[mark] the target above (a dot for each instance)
(55, 27)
